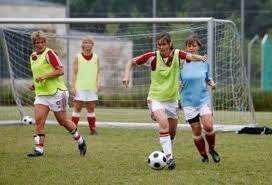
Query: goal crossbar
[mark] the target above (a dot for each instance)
(219, 36)
(106, 20)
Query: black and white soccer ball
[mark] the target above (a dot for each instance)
(157, 160)
(28, 120)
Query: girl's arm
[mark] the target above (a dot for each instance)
(54, 60)
(98, 82)
(128, 68)
(140, 60)
(209, 79)
(195, 57)
(74, 76)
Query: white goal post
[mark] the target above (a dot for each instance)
(117, 40)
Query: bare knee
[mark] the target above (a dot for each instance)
(78, 106)
(208, 128)
(196, 129)
(90, 106)
(207, 123)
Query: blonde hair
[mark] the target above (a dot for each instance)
(88, 38)
(37, 34)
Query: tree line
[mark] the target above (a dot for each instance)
(257, 13)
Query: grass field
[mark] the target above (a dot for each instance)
(118, 156)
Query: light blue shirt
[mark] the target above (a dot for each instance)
(194, 76)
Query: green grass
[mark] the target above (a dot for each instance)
(118, 156)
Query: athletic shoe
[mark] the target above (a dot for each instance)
(171, 164)
(35, 153)
(215, 156)
(205, 159)
(82, 148)
(93, 132)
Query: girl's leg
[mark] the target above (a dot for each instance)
(41, 113)
(207, 122)
(199, 140)
(172, 129)
(63, 120)
(77, 109)
(165, 140)
(90, 106)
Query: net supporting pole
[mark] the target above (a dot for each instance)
(210, 39)
(11, 74)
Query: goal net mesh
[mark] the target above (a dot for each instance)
(115, 45)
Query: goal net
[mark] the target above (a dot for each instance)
(116, 42)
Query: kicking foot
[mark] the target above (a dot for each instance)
(35, 153)
(82, 148)
(171, 164)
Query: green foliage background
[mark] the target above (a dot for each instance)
(257, 13)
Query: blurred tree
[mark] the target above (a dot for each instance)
(257, 13)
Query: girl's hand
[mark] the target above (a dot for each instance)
(39, 79)
(73, 91)
(204, 58)
(98, 87)
(212, 84)
(125, 82)
(31, 87)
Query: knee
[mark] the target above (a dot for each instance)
(164, 128)
(208, 128)
(196, 129)
(77, 107)
(197, 132)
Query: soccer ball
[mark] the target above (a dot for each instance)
(28, 120)
(157, 160)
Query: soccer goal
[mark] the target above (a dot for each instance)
(117, 40)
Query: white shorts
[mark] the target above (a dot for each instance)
(170, 107)
(56, 103)
(85, 95)
(192, 112)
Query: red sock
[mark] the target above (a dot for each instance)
(210, 137)
(75, 117)
(91, 121)
(75, 120)
(200, 145)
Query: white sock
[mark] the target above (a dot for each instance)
(39, 149)
(166, 145)
(38, 143)
(77, 136)
(173, 142)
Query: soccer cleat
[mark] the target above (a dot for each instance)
(93, 132)
(205, 159)
(35, 154)
(171, 164)
(215, 156)
(82, 148)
